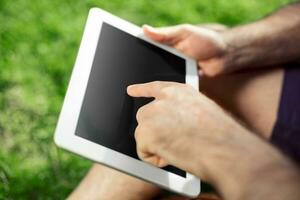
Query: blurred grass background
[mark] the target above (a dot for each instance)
(38, 44)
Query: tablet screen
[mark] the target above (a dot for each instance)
(107, 116)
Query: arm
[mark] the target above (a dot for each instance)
(270, 41)
(249, 169)
(198, 136)
(273, 40)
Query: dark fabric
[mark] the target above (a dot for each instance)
(286, 132)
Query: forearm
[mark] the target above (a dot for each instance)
(282, 181)
(273, 40)
(259, 170)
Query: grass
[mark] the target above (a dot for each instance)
(38, 44)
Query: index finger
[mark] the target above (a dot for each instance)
(151, 89)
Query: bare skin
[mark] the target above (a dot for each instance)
(215, 149)
(220, 52)
(97, 183)
(269, 42)
(105, 183)
(251, 96)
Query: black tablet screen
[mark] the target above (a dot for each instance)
(107, 115)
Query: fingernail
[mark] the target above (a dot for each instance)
(129, 89)
(150, 28)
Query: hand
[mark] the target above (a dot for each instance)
(178, 120)
(184, 128)
(203, 43)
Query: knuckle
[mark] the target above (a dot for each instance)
(142, 131)
(137, 133)
(155, 106)
(139, 114)
(165, 91)
(141, 154)
(156, 83)
(169, 90)
(144, 111)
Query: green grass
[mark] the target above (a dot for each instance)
(38, 45)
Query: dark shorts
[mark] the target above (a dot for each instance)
(286, 132)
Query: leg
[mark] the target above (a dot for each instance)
(104, 183)
(252, 97)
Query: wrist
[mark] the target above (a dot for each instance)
(229, 158)
(224, 61)
(246, 46)
(219, 151)
(232, 53)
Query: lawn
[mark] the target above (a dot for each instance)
(38, 44)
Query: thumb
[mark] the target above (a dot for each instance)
(166, 35)
(152, 159)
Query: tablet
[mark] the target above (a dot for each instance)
(97, 120)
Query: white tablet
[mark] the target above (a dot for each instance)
(97, 120)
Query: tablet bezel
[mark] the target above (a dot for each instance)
(65, 131)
